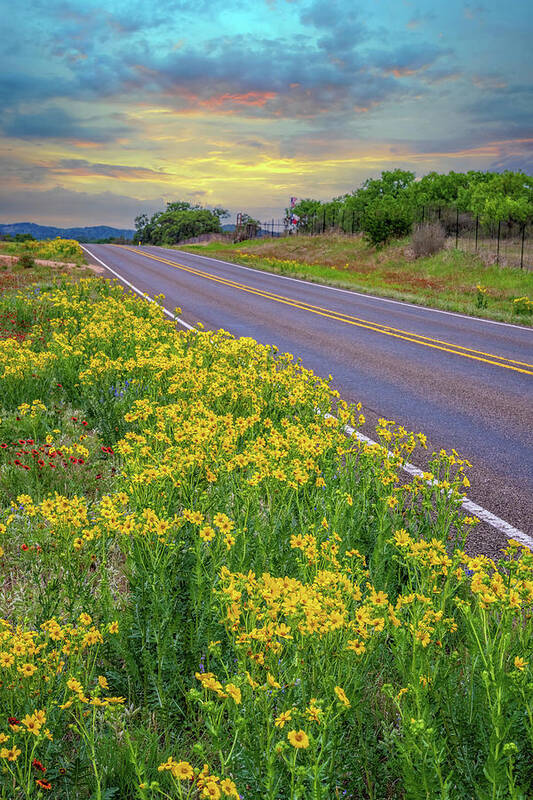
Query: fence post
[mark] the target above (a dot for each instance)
(498, 246)
(324, 222)
(477, 228)
(522, 246)
(457, 228)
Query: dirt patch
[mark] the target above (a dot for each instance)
(95, 268)
(10, 260)
(408, 280)
(68, 265)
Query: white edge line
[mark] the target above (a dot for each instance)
(142, 294)
(487, 516)
(404, 303)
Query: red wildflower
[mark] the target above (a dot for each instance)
(84, 423)
(43, 784)
(24, 547)
(13, 721)
(38, 765)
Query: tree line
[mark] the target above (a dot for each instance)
(180, 220)
(386, 207)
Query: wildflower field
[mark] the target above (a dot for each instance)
(209, 590)
(57, 249)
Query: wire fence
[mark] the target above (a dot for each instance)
(507, 243)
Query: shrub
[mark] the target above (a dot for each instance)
(522, 305)
(386, 218)
(26, 260)
(428, 238)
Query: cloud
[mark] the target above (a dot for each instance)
(474, 12)
(507, 109)
(281, 78)
(408, 59)
(80, 166)
(56, 123)
(63, 207)
(519, 162)
(418, 20)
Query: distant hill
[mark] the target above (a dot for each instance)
(228, 228)
(90, 234)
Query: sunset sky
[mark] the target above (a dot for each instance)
(111, 109)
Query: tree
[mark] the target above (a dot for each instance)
(181, 220)
(386, 218)
(503, 196)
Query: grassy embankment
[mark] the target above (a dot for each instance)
(446, 280)
(65, 256)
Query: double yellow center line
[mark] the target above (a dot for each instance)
(348, 319)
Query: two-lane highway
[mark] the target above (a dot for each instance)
(466, 383)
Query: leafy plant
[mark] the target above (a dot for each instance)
(386, 218)
(26, 260)
(481, 296)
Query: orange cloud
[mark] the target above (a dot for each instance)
(249, 99)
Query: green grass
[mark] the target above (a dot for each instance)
(446, 280)
(65, 251)
(14, 276)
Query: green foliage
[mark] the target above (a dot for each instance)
(494, 197)
(481, 296)
(522, 305)
(508, 196)
(180, 221)
(385, 219)
(27, 260)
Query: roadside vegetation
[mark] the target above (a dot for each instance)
(20, 267)
(209, 591)
(385, 208)
(29, 249)
(448, 279)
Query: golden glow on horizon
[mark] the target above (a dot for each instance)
(218, 166)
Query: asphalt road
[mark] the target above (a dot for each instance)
(466, 383)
